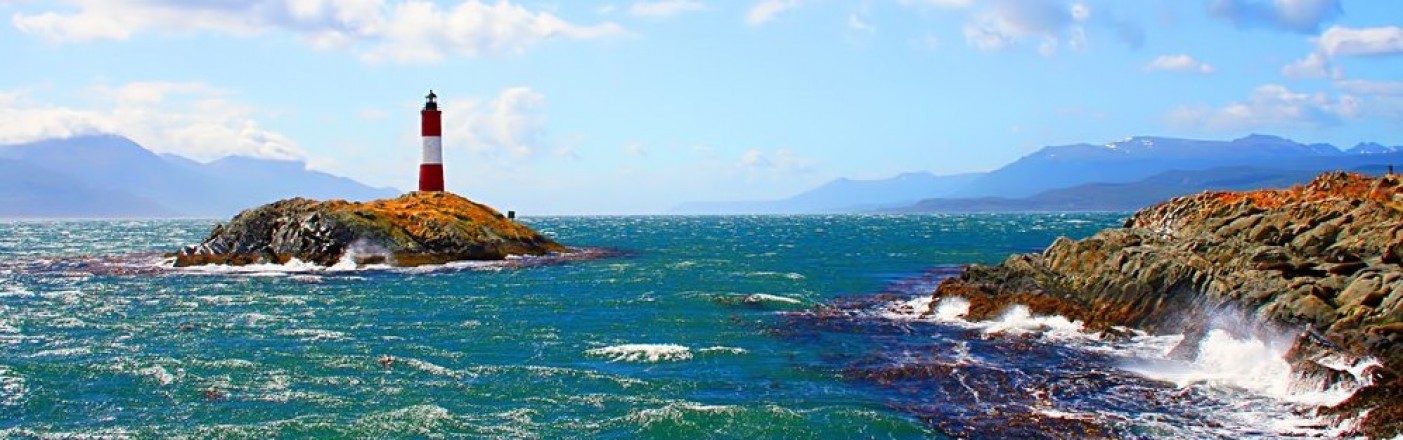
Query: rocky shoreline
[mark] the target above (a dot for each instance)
(411, 230)
(1320, 262)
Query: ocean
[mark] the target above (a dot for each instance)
(671, 327)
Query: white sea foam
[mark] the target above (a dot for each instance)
(412, 421)
(15, 291)
(68, 297)
(62, 352)
(723, 349)
(231, 363)
(255, 319)
(314, 335)
(1019, 320)
(308, 272)
(912, 309)
(309, 279)
(293, 267)
(676, 411)
(1260, 367)
(68, 322)
(643, 352)
(951, 309)
(757, 298)
(767, 274)
(160, 374)
(431, 368)
(13, 388)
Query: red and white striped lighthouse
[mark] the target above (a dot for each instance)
(431, 168)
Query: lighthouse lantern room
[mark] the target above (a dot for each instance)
(431, 168)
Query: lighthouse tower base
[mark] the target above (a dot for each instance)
(431, 177)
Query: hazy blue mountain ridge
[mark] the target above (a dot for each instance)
(1031, 183)
(111, 176)
(844, 195)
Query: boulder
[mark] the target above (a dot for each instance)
(1321, 259)
(413, 229)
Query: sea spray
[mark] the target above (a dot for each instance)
(1236, 355)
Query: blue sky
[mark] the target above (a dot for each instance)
(634, 107)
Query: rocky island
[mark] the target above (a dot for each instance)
(1320, 261)
(414, 229)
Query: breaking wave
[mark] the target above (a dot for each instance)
(1248, 378)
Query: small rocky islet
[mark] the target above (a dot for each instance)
(1319, 260)
(415, 229)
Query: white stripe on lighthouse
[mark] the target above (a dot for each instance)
(433, 149)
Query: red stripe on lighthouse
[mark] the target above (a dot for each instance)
(431, 177)
(431, 123)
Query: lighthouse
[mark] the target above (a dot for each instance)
(431, 127)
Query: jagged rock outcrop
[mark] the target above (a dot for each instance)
(1322, 259)
(413, 229)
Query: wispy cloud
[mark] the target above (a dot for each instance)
(1376, 41)
(404, 31)
(1179, 63)
(664, 8)
(509, 126)
(1345, 42)
(765, 10)
(782, 159)
(1007, 23)
(1271, 106)
(1302, 16)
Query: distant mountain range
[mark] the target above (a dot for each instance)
(111, 176)
(845, 195)
(1118, 176)
(1121, 197)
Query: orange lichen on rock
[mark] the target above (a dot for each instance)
(421, 214)
(1328, 186)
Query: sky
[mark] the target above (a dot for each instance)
(629, 107)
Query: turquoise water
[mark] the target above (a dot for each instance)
(692, 326)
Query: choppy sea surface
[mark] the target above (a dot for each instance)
(684, 327)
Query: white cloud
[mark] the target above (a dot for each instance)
(753, 158)
(783, 159)
(1303, 16)
(190, 119)
(1338, 41)
(1004, 24)
(1314, 65)
(1382, 99)
(510, 126)
(405, 30)
(1345, 42)
(857, 23)
(1271, 106)
(765, 10)
(1179, 63)
(664, 8)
